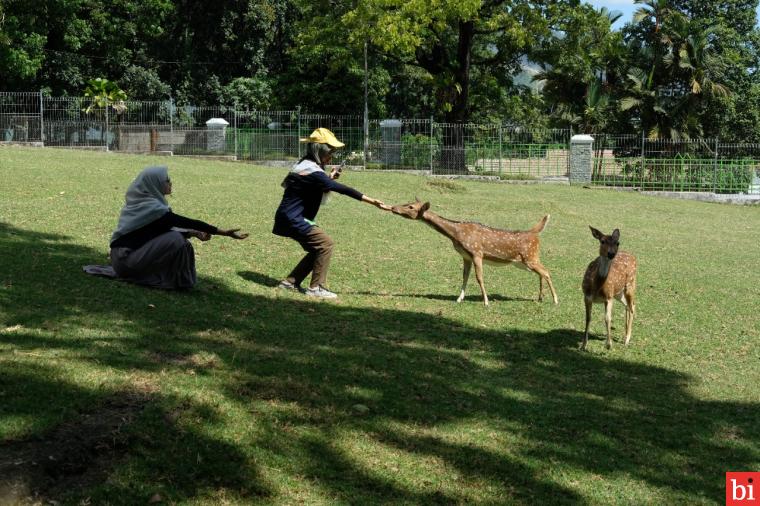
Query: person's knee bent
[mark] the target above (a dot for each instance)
(177, 239)
(327, 245)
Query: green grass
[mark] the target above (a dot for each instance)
(235, 393)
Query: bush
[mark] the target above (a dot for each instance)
(416, 151)
(701, 175)
(735, 178)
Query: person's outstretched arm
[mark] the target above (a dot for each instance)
(329, 184)
(232, 232)
(377, 203)
(203, 230)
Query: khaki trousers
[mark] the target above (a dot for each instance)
(319, 247)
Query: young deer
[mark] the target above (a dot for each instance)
(612, 275)
(478, 243)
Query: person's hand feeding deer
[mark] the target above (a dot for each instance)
(307, 187)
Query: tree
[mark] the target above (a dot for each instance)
(675, 75)
(446, 40)
(249, 93)
(21, 48)
(106, 95)
(734, 45)
(656, 10)
(58, 44)
(209, 44)
(582, 63)
(145, 83)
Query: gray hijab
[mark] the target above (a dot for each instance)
(144, 201)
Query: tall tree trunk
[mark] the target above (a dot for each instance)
(453, 159)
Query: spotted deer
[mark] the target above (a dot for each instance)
(612, 275)
(478, 243)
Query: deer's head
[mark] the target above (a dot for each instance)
(412, 210)
(608, 244)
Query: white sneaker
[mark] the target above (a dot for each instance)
(321, 292)
(287, 285)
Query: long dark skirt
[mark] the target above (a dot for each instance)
(167, 262)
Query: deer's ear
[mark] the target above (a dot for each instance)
(425, 207)
(597, 234)
(416, 199)
(616, 234)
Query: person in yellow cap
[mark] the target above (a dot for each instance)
(306, 188)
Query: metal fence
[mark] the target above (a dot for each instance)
(266, 136)
(20, 117)
(503, 151)
(693, 165)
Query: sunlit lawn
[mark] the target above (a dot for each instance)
(237, 393)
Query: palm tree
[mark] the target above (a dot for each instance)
(586, 61)
(668, 97)
(692, 54)
(658, 10)
(105, 94)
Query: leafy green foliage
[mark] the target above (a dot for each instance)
(144, 83)
(248, 93)
(20, 48)
(103, 93)
(683, 68)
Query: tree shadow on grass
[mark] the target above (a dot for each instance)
(359, 404)
(135, 432)
(450, 298)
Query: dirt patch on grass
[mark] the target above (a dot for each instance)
(71, 456)
(200, 360)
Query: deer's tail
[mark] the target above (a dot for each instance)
(539, 227)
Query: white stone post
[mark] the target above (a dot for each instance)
(216, 135)
(581, 159)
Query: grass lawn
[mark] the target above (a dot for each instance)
(237, 393)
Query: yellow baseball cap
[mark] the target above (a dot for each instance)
(323, 136)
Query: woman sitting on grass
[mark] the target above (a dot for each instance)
(306, 188)
(150, 246)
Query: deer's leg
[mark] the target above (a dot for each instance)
(588, 303)
(540, 288)
(543, 274)
(466, 267)
(608, 320)
(478, 261)
(630, 310)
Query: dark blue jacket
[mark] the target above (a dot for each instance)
(301, 201)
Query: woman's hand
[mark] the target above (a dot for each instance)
(335, 173)
(233, 232)
(377, 203)
(203, 236)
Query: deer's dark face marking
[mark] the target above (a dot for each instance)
(608, 244)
